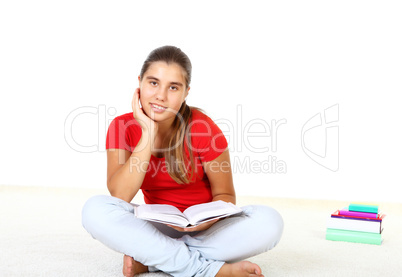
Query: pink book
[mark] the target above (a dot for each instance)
(345, 211)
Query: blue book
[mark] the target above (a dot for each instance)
(363, 208)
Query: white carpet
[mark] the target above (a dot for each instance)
(41, 235)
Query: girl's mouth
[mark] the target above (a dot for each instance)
(158, 108)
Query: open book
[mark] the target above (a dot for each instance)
(191, 217)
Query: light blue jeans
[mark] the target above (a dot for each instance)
(112, 222)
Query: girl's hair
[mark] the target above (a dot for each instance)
(180, 167)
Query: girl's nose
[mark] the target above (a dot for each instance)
(161, 94)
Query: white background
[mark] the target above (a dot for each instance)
(67, 68)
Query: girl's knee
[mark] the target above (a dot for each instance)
(270, 216)
(93, 204)
(268, 221)
(94, 208)
(90, 208)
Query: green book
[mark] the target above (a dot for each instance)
(353, 236)
(363, 208)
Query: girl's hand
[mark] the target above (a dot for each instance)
(201, 227)
(147, 124)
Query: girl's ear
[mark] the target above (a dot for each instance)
(186, 94)
(139, 80)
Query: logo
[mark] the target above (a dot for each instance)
(320, 138)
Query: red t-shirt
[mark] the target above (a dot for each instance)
(207, 141)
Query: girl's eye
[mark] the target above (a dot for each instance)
(173, 88)
(153, 83)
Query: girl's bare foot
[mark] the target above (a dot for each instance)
(131, 267)
(240, 269)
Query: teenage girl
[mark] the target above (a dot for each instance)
(176, 155)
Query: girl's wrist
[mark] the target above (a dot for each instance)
(151, 131)
(147, 139)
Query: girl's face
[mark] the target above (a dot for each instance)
(162, 91)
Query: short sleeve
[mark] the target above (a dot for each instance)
(124, 132)
(207, 139)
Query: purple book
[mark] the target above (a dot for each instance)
(345, 211)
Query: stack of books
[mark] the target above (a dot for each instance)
(356, 223)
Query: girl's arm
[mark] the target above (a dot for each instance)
(219, 174)
(125, 170)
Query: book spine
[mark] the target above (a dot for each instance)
(359, 214)
(353, 236)
(363, 208)
(378, 219)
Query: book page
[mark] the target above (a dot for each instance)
(158, 209)
(208, 211)
(161, 213)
